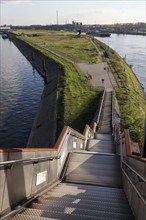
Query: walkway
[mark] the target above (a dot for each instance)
(96, 72)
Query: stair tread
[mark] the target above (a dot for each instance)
(71, 213)
(90, 188)
(89, 179)
(76, 210)
(95, 157)
(30, 217)
(101, 148)
(94, 171)
(69, 201)
(88, 192)
(82, 206)
(107, 142)
(103, 136)
(83, 196)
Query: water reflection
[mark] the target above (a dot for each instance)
(20, 92)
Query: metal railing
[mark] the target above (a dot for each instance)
(94, 123)
(37, 159)
(134, 171)
(99, 114)
(127, 170)
(134, 187)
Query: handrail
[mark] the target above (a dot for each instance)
(29, 160)
(96, 117)
(99, 114)
(139, 176)
(137, 191)
(113, 106)
(134, 171)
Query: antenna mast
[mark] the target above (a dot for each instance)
(57, 16)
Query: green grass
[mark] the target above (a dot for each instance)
(78, 100)
(79, 48)
(129, 93)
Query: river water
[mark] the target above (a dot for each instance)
(21, 87)
(133, 48)
(20, 93)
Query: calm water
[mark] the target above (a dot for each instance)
(20, 94)
(133, 47)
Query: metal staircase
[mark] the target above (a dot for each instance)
(79, 201)
(93, 168)
(91, 189)
(92, 183)
(106, 115)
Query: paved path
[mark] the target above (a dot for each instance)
(99, 72)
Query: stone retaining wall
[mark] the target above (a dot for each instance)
(44, 130)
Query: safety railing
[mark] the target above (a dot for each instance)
(37, 159)
(94, 123)
(30, 171)
(113, 111)
(134, 178)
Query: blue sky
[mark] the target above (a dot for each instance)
(27, 12)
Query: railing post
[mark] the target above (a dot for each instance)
(121, 150)
(143, 151)
(127, 143)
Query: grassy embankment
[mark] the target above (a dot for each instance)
(129, 93)
(78, 99)
(79, 48)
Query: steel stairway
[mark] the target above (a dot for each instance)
(78, 201)
(92, 186)
(106, 115)
(92, 189)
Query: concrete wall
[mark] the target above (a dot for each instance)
(45, 126)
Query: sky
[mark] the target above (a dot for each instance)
(29, 12)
